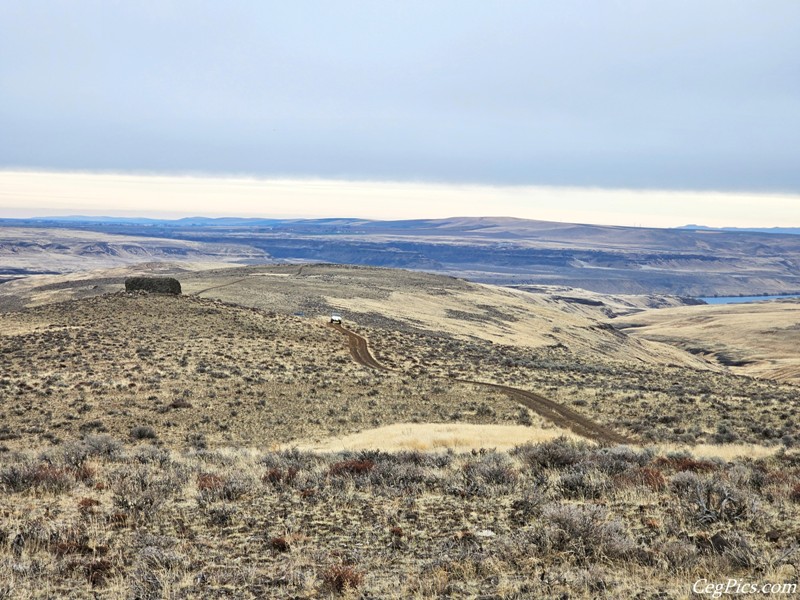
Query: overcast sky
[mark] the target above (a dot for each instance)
(643, 95)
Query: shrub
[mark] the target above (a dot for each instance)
(180, 403)
(652, 478)
(556, 454)
(491, 468)
(708, 501)
(74, 454)
(351, 467)
(215, 487)
(342, 577)
(97, 571)
(680, 555)
(277, 476)
(207, 482)
(143, 432)
(584, 485)
(141, 492)
(150, 454)
(103, 445)
(682, 463)
(617, 460)
(279, 544)
(87, 505)
(794, 495)
(43, 476)
(586, 532)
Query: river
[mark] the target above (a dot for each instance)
(745, 299)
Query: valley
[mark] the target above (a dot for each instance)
(498, 250)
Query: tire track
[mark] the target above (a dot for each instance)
(359, 349)
(216, 287)
(559, 414)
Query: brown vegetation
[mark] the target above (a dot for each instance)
(562, 517)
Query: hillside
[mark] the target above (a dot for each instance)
(395, 299)
(424, 327)
(758, 339)
(193, 372)
(147, 441)
(36, 251)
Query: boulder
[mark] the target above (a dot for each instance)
(155, 285)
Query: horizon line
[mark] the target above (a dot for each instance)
(40, 194)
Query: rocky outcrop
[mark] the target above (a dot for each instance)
(155, 285)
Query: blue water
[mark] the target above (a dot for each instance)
(745, 299)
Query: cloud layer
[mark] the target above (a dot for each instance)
(666, 94)
(24, 194)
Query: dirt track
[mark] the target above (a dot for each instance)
(216, 287)
(360, 350)
(552, 411)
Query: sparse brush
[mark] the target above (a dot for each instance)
(340, 578)
(559, 453)
(351, 467)
(141, 491)
(794, 495)
(143, 432)
(42, 476)
(588, 532)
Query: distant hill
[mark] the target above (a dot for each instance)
(607, 259)
(778, 230)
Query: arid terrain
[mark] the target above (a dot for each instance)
(27, 251)
(498, 250)
(453, 439)
(759, 339)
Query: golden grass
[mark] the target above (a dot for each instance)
(760, 339)
(463, 437)
(459, 437)
(728, 452)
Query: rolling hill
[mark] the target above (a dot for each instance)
(194, 445)
(612, 260)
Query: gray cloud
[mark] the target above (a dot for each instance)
(671, 94)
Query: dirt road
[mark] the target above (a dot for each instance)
(359, 349)
(216, 287)
(559, 414)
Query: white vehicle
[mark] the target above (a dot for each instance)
(336, 319)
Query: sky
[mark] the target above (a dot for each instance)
(582, 110)
(27, 194)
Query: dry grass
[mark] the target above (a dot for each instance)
(114, 520)
(189, 372)
(458, 437)
(656, 403)
(758, 339)
(135, 462)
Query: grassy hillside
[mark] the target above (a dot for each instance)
(148, 446)
(194, 372)
(428, 328)
(758, 339)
